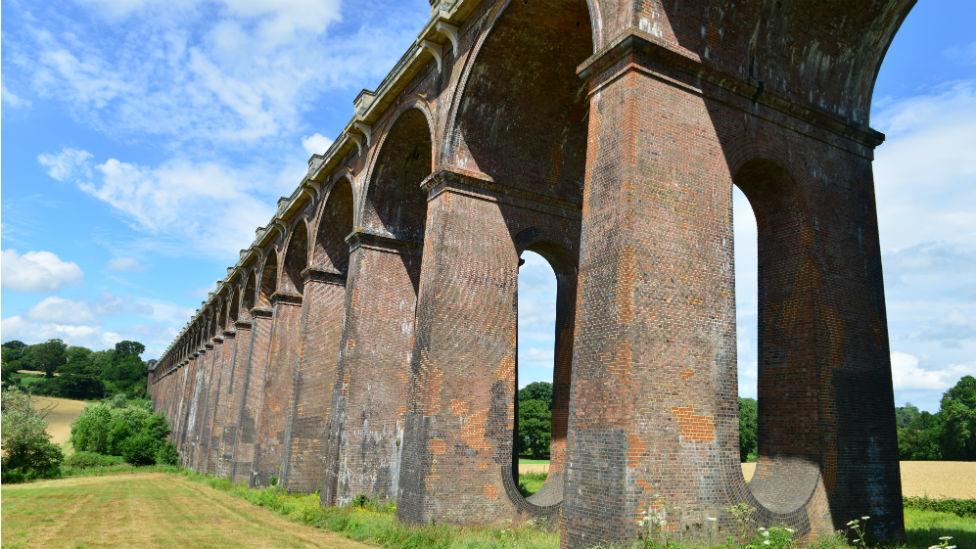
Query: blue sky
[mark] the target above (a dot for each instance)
(145, 140)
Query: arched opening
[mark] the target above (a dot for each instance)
(544, 355)
(535, 356)
(296, 260)
(249, 297)
(331, 249)
(788, 439)
(269, 280)
(747, 326)
(396, 206)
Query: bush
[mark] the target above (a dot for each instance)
(960, 507)
(166, 454)
(124, 428)
(88, 460)
(28, 450)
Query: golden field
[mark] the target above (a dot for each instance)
(935, 479)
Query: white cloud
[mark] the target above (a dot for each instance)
(907, 374)
(231, 72)
(29, 331)
(926, 171)
(124, 264)
(205, 206)
(58, 310)
(68, 164)
(37, 271)
(316, 143)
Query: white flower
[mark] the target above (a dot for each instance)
(945, 538)
(766, 534)
(711, 519)
(766, 542)
(852, 523)
(790, 530)
(865, 518)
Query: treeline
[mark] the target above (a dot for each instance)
(949, 434)
(74, 372)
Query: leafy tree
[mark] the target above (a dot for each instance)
(958, 415)
(905, 415)
(539, 390)
(47, 357)
(11, 359)
(534, 429)
(28, 452)
(919, 439)
(128, 349)
(748, 429)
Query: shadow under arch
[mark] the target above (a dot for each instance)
(394, 204)
(333, 225)
(295, 260)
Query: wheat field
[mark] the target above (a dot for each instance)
(935, 479)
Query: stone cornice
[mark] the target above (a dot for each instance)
(242, 324)
(230, 334)
(647, 54)
(261, 312)
(323, 275)
(482, 186)
(364, 238)
(287, 298)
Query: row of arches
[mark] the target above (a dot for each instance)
(405, 383)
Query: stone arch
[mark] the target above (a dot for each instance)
(520, 111)
(295, 259)
(393, 203)
(269, 280)
(334, 223)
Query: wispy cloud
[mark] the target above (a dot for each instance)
(204, 206)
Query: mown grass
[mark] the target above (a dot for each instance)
(30, 510)
(530, 483)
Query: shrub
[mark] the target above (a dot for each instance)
(87, 460)
(166, 454)
(127, 429)
(28, 450)
(960, 507)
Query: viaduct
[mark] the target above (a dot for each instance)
(366, 342)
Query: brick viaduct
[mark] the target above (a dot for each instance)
(366, 342)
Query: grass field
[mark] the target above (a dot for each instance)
(146, 510)
(157, 509)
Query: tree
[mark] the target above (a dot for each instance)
(748, 429)
(958, 415)
(905, 415)
(11, 359)
(28, 452)
(539, 390)
(918, 440)
(534, 429)
(128, 348)
(47, 357)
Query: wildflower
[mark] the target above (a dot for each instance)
(766, 533)
(766, 542)
(865, 518)
(790, 530)
(852, 522)
(711, 519)
(945, 538)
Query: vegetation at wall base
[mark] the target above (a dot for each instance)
(129, 429)
(958, 507)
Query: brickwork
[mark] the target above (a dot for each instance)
(367, 341)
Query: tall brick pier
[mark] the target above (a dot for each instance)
(366, 342)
